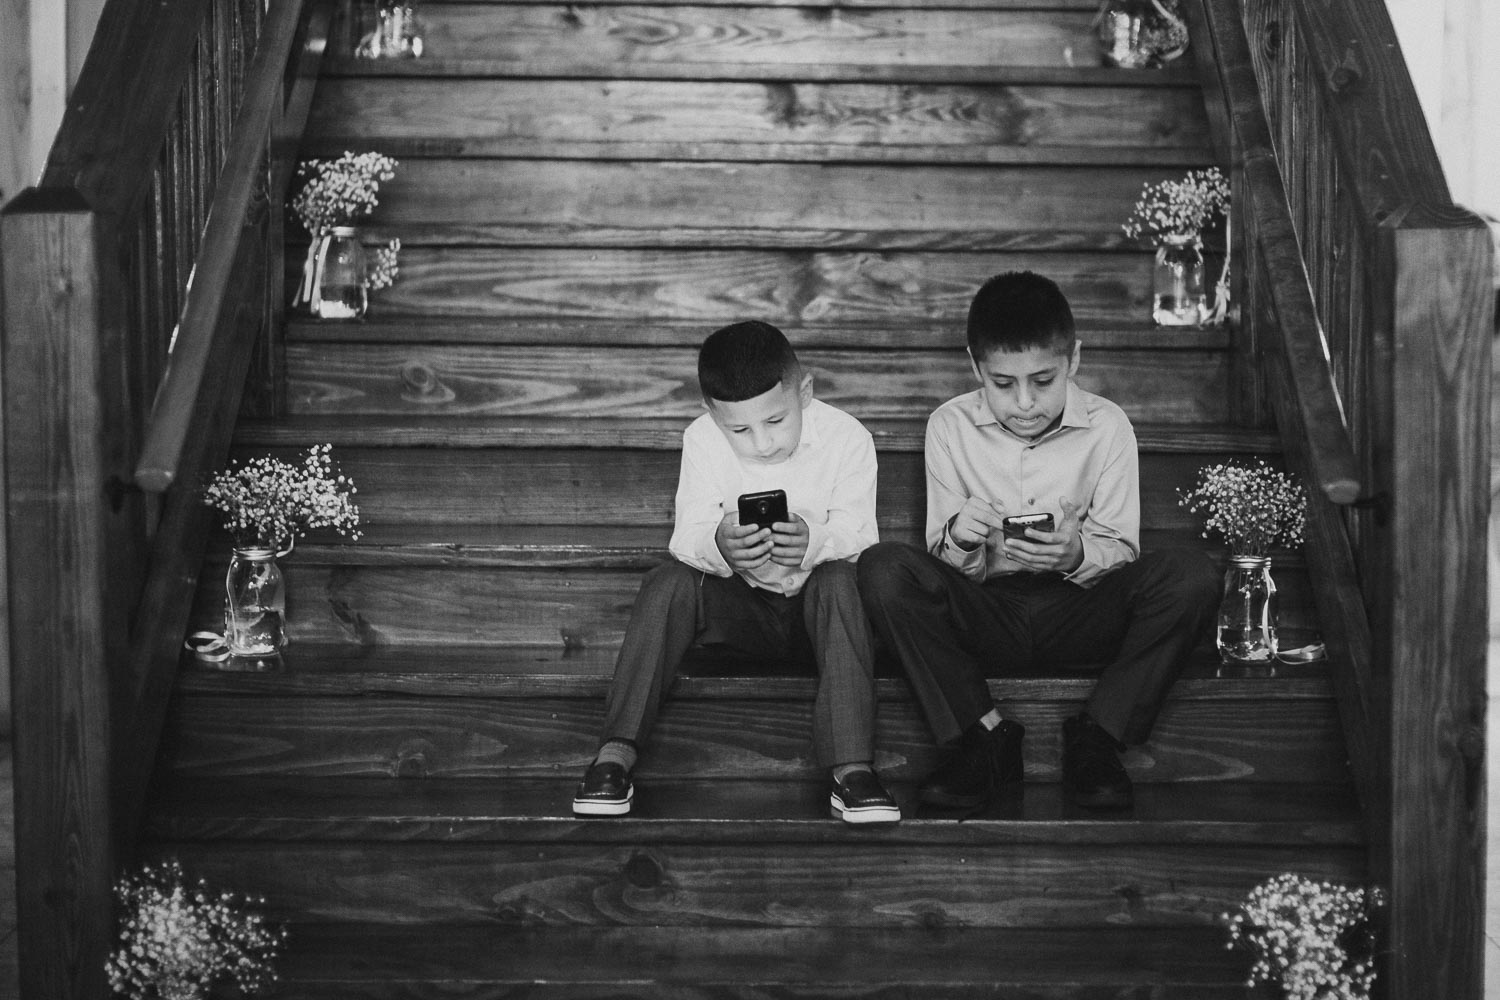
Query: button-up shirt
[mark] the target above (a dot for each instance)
(829, 482)
(1090, 457)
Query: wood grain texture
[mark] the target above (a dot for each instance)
(759, 885)
(341, 962)
(1177, 387)
(1275, 740)
(729, 811)
(636, 119)
(631, 488)
(793, 205)
(58, 581)
(571, 40)
(1444, 327)
(716, 287)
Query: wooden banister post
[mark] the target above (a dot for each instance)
(57, 513)
(1442, 330)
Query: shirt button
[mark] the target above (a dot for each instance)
(1031, 502)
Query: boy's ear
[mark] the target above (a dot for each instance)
(1077, 353)
(805, 390)
(974, 366)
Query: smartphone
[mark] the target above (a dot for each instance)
(1016, 525)
(764, 509)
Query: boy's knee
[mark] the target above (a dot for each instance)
(833, 581)
(670, 582)
(1188, 577)
(883, 571)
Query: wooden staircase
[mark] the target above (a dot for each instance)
(585, 192)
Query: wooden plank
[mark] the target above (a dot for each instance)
(567, 39)
(728, 963)
(793, 205)
(1182, 815)
(57, 522)
(891, 434)
(717, 287)
(554, 672)
(1177, 387)
(570, 487)
(1132, 330)
(758, 885)
(637, 119)
(406, 736)
(1444, 318)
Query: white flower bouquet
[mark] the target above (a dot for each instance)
(177, 939)
(1179, 208)
(1252, 507)
(1315, 939)
(337, 193)
(269, 503)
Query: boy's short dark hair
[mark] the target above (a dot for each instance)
(1019, 310)
(743, 360)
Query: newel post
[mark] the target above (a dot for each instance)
(1439, 477)
(56, 515)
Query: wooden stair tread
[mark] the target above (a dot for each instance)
(729, 811)
(659, 433)
(874, 335)
(1093, 964)
(551, 672)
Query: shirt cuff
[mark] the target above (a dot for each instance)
(971, 563)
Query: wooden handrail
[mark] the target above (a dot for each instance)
(1330, 450)
(193, 345)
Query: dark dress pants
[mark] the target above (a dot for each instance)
(679, 607)
(1139, 622)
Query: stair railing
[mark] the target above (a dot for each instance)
(144, 267)
(1367, 285)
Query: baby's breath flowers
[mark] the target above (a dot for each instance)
(1253, 508)
(268, 503)
(178, 939)
(337, 192)
(1178, 208)
(382, 269)
(1314, 939)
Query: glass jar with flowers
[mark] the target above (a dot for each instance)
(267, 504)
(177, 939)
(1137, 34)
(1172, 216)
(337, 274)
(1314, 940)
(1254, 508)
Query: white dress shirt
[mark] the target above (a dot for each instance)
(1090, 457)
(829, 482)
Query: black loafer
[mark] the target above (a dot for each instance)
(606, 790)
(861, 798)
(1092, 771)
(985, 764)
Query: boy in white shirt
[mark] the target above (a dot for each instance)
(758, 589)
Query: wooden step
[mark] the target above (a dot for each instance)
(870, 335)
(746, 853)
(797, 206)
(391, 962)
(386, 962)
(715, 287)
(931, 43)
(1185, 387)
(372, 715)
(634, 488)
(1117, 124)
(529, 810)
(891, 434)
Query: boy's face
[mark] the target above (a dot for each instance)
(1026, 390)
(765, 429)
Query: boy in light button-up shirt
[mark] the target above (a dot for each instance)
(1029, 441)
(773, 591)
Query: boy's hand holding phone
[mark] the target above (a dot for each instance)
(1041, 551)
(789, 542)
(975, 521)
(743, 546)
